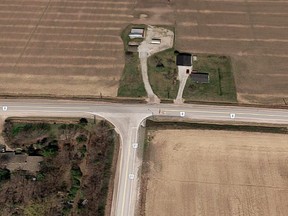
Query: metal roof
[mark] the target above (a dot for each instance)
(200, 77)
(184, 59)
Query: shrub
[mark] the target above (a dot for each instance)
(81, 138)
(4, 174)
(83, 121)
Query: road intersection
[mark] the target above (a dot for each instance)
(127, 119)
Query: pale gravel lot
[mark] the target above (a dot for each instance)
(194, 172)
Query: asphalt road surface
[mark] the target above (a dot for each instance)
(127, 119)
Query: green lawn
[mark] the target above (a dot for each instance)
(221, 86)
(162, 74)
(131, 82)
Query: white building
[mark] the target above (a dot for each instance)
(137, 33)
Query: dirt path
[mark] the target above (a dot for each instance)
(147, 49)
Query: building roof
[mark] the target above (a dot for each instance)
(20, 161)
(200, 77)
(134, 43)
(184, 59)
(137, 31)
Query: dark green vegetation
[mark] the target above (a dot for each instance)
(74, 175)
(4, 174)
(221, 86)
(204, 126)
(131, 82)
(162, 72)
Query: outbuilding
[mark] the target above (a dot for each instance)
(156, 41)
(200, 77)
(184, 59)
(137, 33)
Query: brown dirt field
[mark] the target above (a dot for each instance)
(74, 47)
(205, 172)
(253, 33)
(62, 47)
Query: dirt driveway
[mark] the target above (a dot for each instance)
(217, 173)
(147, 49)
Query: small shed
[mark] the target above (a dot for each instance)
(133, 43)
(200, 77)
(156, 41)
(184, 59)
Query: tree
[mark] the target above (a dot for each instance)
(4, 174)
(83, 121)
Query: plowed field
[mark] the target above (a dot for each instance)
(217, 173)
(62, 47)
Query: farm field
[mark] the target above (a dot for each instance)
(212, 172)
(253, 33)
(62, 47)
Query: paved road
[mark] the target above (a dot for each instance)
(127, 119)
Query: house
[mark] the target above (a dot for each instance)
(184, 59)
(200, 77)
(137, 33)
(14, 161)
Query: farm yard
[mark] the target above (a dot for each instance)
(253, 33)
(62, 47)
(213, 172)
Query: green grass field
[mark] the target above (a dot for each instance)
(162, 74)
(131, 83)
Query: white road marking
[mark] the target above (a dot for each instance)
(5, 108)
(182, 114)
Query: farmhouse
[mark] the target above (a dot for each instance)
(14, 161)
(200, 77)
(184, 59)
(137, 33)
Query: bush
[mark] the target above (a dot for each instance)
(4, 174)
(81, 138)
(83, 121)
(51, 149)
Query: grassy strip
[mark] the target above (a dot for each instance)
(162, 74)
(131, 82)
(221, 86)
(95, 98)
(107, 174)
(203, 126)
